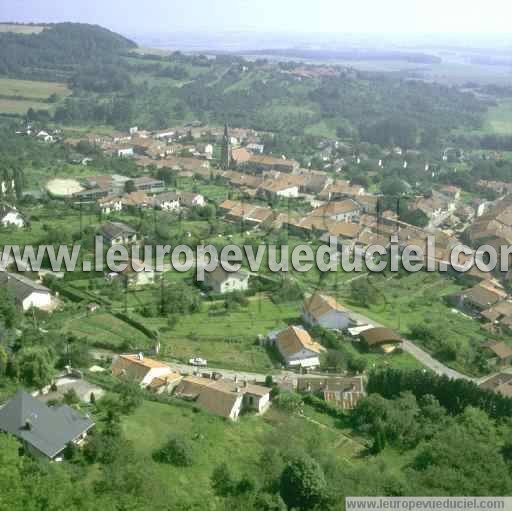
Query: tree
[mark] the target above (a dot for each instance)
(129, 186)
(70, 451)
(35, 366)
(4, 359)
(177, 451)
(303, 484)
(71, 397)
(222, 481)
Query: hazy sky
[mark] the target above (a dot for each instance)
(334, 16)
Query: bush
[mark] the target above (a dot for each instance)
(177, 451)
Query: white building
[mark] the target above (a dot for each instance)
(326, 312)
(110, 204)
(225, 397)
(297, 348)
(125, 152)
(26, 292)
(9, 215)
(191, 199)
(221, 281)
(142, 370)
(167, 201)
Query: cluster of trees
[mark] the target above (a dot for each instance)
(454, 395)
(61, 47)
(463, 454)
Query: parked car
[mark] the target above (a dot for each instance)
(198, 362)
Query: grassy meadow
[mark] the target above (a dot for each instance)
(17, 96)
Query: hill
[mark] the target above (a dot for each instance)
(60, 47)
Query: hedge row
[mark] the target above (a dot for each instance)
(149, 332)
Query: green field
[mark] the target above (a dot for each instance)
(499, 119)
(228, 340)
(17, 96)
(20, 107)
(32, 89)
(105, 329)
(216, 440)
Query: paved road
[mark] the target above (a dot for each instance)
(419, 354)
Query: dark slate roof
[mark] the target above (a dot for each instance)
(51, 428)
(21, 287)
(112, 230)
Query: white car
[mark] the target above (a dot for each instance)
(199, 362)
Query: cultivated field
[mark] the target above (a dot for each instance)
(29, 89)
(499, 119)
(21, 29)
(17, 96)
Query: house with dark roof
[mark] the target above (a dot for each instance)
(381, 338)
(479, 298)
(343, 392)
(44, 431)
(499, 354)
(118, 233)
(325, 311)
(27, 293)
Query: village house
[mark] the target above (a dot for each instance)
(137, 200)
(343, 392)
(500, 384)
(280, 188)
(263, 163)
(325, 311)
(118, 233)
(192, 199)
(138, 274)
(169, 201)
(225, 397)
(144, 371)
(479, 298)
(498, 354)
(10, 216)
(110, 204)
(499, 314)
(316, 181)
(148, 184)
(339, 190)
(381, 339)
(344, 211)
(26, 292)
(44, 431)
(125, 152)
(297, 347)
(240, 156)
(220, 281)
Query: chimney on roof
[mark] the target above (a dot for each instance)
(140, 356)
(28, 425)
(235, 379)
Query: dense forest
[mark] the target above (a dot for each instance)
(59, 51)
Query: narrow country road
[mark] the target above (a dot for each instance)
(419, 354)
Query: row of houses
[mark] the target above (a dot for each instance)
(223, 397)
(231, 397)
(167, 201)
